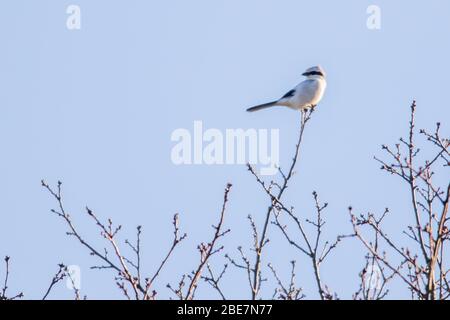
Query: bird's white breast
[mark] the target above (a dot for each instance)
(308, 93)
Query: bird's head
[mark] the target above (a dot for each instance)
(314, 72)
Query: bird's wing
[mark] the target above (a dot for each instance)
(306, 92)
(286, 99)
(291, 93)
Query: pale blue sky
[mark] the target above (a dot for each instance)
(96, 107)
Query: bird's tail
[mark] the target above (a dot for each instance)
(263, 106)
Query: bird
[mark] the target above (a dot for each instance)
(306, 95)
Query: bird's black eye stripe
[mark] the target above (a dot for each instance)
(313, 73)
(289, 94)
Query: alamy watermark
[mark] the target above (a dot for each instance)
(374, 277)
(374, 18)
(73, 21)
(233, 146)
(73, 280)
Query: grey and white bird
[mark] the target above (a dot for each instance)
(305, 95)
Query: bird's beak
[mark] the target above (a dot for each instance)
(304, 74)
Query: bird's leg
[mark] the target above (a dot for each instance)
(304, 112)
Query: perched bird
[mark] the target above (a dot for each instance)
(305, 95)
